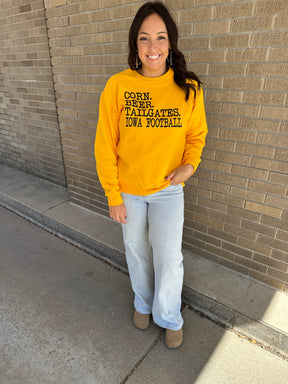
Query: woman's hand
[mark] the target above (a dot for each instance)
(181, 174)
(118, 213)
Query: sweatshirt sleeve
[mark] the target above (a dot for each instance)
(107, 137)
(196, 132)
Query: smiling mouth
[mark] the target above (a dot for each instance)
(154, 57)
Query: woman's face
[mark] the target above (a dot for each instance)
(153, 46)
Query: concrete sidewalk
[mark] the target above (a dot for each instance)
(247, 306)
(66, 318)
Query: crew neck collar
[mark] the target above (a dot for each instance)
(166, 75)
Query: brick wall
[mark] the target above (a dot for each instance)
(236, 204)
(237, 208)
(88, 42)
(29, 134)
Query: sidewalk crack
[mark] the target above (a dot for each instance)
(142, 358)
(56, 205)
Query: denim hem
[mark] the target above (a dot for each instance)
(143, 312)
(166, 325)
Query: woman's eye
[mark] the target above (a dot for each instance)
(143, 38)
(162, 38)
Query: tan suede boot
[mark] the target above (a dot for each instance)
(141, 320)
(174, 338)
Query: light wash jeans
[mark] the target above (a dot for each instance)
(153, 242)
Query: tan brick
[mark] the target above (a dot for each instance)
(263, 209)
(268, 188)
(222, 95)
(60, 42)
(207, 239)
(275, 112)
(209, 56)
(211, 82)
(254, 265)
(212, 108)
(259, 125)
(227, 69)
(248, 195)
(269, 39)
(256, 150)
(278, 178)
(283, 125)
(273, 165)
(230, 41)
(273, 243)
(229, 146)
(241, 109)
(277, 202)
(281, 21)
(273, 140)
(91, 5)
(185, 30)
(268, 261)
(281, 154)
(266, 279)
(255, 247)
(57, 3)
(230, 179)
(25, 8)
(233, 10)
(244, 214)
(232, 158)
(265, 98)
(220, 252)
(278, 255)
(211, 27)
(243, 83)
(222, 235)
(69, 9)
(280, 85)
(279, 54)
(36, 5)
(226, 219)
(247, 55)
(232, 201)
(271, 6)
(237, 250)
(236, 267)
(278, 275)
(258, 228)
(207, 2)
(253, 173)
(195, 14)
(127, 11)
(215, 166)
(252, 24)
(106, 37)
(267, 69)
(200, 69)
(195, 208)
(283, 236)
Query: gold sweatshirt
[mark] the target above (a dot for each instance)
(145, 130)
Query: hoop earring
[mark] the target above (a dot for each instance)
(170, 57)
(138, 61)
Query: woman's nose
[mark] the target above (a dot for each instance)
(153, 45)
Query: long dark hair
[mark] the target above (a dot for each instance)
(181, 73)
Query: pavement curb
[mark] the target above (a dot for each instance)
(264, 334)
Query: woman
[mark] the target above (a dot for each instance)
(150, 136)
